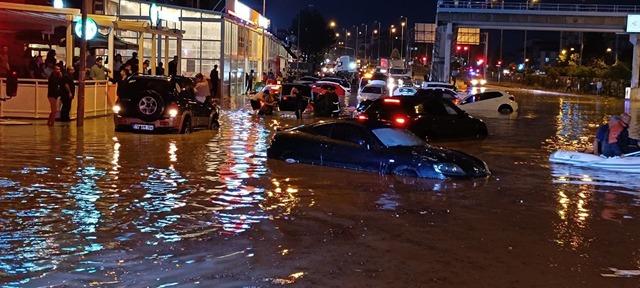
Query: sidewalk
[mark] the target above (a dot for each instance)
(520, 87)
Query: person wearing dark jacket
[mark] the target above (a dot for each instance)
(173, 66)
(67, 95)
(612, 139)
(328, 104)
(215, 81)
(54, 91)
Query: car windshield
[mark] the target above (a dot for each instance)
(372, 89)
(406, 91)
(392, 137)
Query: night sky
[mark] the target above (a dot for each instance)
(351, 12)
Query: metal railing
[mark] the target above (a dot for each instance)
(533, 6)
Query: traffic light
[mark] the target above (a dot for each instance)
(12, 84)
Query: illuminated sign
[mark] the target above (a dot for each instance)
(154, 13)
(90, 31)
(468, 36)
(633, 23)
(242, 11)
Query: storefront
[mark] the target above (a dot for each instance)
(237, 42)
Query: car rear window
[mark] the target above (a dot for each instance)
(137, 86)
(388, 108)
(372, 89)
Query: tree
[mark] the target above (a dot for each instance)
(315, 35)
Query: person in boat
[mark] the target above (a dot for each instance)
(631, 145)
(611, 138)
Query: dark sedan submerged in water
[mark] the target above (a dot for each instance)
(372, 147)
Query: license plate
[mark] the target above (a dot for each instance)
(143, 127)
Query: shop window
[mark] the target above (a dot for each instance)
(191, 14)
(191, 30)
(211, 31)
(190, 49)
(211, 50)
(207, 66)
(210, 16)
(112, 7)
(144, 9)
(190, 67)
(129, 8)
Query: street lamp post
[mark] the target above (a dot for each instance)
(392, 31)
(402, 24)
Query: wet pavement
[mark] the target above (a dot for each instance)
(98, 208)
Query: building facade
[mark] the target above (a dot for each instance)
(236, 41)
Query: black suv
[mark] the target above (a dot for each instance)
(159, 103)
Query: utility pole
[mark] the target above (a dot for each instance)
(83, 65)
(379, 39)
(356, 51)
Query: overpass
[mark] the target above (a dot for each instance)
(500, 15)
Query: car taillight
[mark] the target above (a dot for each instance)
(392, 101)
(362, 117)
(400, 120)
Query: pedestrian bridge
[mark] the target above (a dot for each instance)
(539, 17)
(528, 15)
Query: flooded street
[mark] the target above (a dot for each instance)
(209, 210)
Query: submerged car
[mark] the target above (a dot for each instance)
(375, 147)
(427, 114)
(499, 101)
(159, 103)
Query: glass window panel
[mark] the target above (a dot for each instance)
(209, 15)
(112, 7)
(207, 66)
(190, 49)
(211, 50)
(227, 38)
(172, 47)
(129, 8)
(147, 48)
(191, 29)
(190, 67)
(234, 40)
(211, 31)
(191, 14)
(144, 9)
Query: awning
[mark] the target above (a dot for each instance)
(18, 21)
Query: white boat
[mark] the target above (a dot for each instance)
(630, 163)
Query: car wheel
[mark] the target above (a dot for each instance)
(186, 126)
(150, 105)
(505, 109)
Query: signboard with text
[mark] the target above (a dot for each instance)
(468, 36)
(633, 23)
(425, 33)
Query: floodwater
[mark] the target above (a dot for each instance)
(98, 208)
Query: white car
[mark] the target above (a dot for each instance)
(426, 85)
(500, 101)
(449, 94)
(405, 91)
(373, 92)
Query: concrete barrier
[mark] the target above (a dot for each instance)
(31, 100)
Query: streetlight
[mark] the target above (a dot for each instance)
(609, 50)
(348, 34)
(337, 35)
(375, 31)
(332, 24)
(58, 4)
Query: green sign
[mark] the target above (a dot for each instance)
(90, 31)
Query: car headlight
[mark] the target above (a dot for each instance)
(483, 81)
(116, 108)
(474, 82)
(449, 169)
(173, 112)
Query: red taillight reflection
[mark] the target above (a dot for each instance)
(362, 117)
(400, 120)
